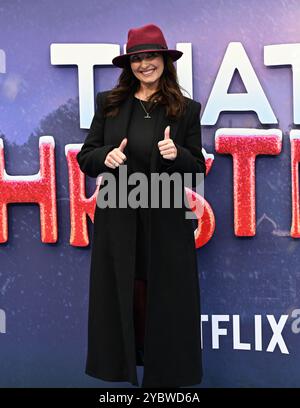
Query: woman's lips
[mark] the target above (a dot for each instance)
(148, 72)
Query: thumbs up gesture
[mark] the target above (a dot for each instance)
(167, 147)
(116, 156)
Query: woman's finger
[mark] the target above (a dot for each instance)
(116, 158)
(108, 164)
(168, 151)
(121, 155)
(168, 156)
(165, 142)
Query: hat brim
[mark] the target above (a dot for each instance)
(120, 60)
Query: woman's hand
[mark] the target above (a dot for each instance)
(167, 147)
(116, 156)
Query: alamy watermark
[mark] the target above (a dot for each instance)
(2, 321)
(161, 187)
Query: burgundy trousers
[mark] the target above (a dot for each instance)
(140, 290)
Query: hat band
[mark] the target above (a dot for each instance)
(146, 47)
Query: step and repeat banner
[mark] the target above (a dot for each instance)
(242, 62)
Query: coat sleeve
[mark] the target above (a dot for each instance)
(92, 155)
(189, 158)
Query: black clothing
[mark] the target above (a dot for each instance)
(140, 145)
(141, 135)
(172, 342)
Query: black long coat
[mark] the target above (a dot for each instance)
(172, 347)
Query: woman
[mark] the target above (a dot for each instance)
(144, 306)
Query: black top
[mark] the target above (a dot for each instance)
(141, 135)
(140, 145)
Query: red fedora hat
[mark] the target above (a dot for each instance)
(145, 39)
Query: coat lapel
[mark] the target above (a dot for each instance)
(119, 128)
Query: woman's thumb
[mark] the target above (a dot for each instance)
(123, 144)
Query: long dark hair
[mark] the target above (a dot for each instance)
(168, 93)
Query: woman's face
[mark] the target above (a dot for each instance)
(147, 67)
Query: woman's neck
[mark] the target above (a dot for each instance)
(144, 92)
